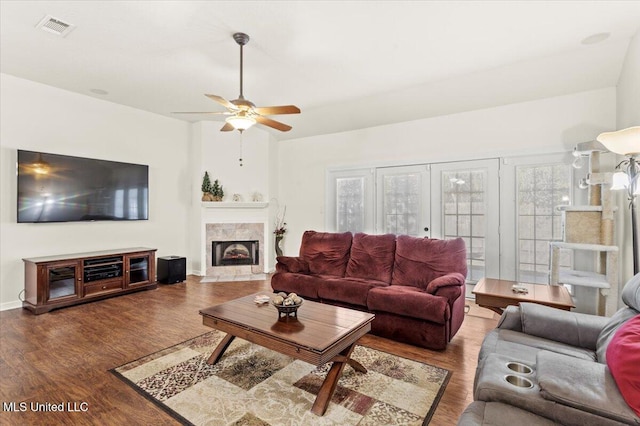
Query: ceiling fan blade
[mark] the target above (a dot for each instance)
(275, 110)
(222, 101)
(204, 112)
(227, 127)
(273, 123)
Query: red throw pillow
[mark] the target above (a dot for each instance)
(623, 359)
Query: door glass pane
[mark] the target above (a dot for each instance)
(138, 269)
(350, 204)
(401, 203)
(541, 188)
(463, 196)
(62, 281)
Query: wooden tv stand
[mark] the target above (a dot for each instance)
(53, 282)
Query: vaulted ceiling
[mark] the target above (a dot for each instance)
(347, 64)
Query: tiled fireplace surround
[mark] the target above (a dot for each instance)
(234, 232)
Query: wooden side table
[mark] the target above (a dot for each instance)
(498, 294)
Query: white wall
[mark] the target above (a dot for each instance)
(42, 118)
(547, 125)
(628, 114)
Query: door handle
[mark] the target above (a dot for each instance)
(426, 229)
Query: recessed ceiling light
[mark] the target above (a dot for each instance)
(595, 38)
(99, 91)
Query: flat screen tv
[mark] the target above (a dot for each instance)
(61, 188)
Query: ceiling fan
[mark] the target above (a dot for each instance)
(242, 112)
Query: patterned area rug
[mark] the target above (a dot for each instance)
(255, 386)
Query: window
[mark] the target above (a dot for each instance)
(349, 201)
(350, 204)
(403, 200)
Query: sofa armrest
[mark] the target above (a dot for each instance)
(572, 328)
(511, 319)
(581, 384)
(292, 264)
(450, 279)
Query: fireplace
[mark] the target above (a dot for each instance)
(232, 253)
(251, 235)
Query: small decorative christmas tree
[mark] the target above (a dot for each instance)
(206, 188)
(216, 191)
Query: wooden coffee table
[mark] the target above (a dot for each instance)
(320, 334)
(497, 294)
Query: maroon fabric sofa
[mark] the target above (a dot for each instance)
(415, 286)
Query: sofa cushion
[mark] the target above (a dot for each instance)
(409, 301)
(535, 344)
(372, 257)
(609, 330)
(326, 253)
(418, 261)
(292, 264)
(347, 290)
(301, 284)
(623, 359)
(523, 347)
(572, 328)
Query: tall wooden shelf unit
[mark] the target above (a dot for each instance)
(591, 228)
(53, 282)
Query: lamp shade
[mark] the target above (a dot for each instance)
(623, 142)
(620, 181)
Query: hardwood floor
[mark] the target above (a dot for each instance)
(65, 356)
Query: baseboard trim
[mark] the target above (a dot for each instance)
(10, 305)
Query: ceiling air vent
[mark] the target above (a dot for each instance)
(55, 26)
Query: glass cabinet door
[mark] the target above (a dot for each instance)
(62, 280)
(138, 269)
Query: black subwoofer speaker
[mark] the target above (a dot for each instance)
(172, 269)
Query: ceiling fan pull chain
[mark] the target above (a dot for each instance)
(241, 138)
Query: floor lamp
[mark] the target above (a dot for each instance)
(626, 142)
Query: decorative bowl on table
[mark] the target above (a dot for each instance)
(287, 304)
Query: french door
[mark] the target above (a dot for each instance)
(465, 199)
(504, 209)
(532, 189)
(445, 201)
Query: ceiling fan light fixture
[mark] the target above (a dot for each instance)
(241, 122)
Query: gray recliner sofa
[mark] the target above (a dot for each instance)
(543, 366)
